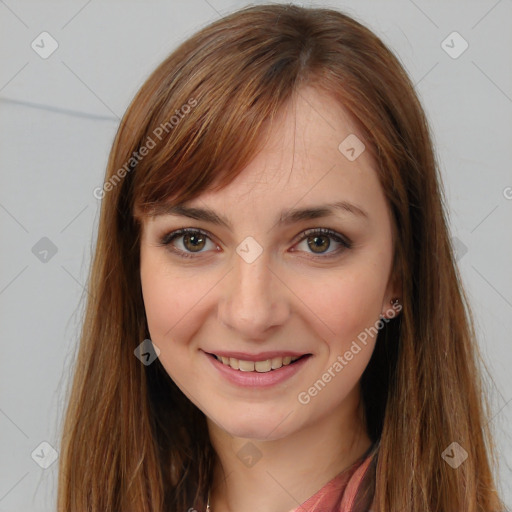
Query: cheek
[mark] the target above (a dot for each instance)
(173, 300)
(346, 304)
(169, 305)
(347, 310)
(159, 301)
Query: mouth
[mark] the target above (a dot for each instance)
(261, 366)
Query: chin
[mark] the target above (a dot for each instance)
(259, 425)
(257, 432)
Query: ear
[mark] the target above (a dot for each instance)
(392, 302)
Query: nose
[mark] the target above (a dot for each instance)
(254, 299)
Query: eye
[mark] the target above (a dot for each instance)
(318, 240)
(192, 241)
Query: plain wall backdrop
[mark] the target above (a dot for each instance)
(59, 110)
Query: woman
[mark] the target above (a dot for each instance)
(273, 248)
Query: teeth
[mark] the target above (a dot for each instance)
(263, 366)
(276, 362)
(246, 366)
(258, 366)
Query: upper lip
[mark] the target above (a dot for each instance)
(261, 356)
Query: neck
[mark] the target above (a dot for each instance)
(290, 469)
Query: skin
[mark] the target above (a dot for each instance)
(289, 298)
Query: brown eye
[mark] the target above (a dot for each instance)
(188, 243)
(318, 241)
(194, 242)
(318, 244)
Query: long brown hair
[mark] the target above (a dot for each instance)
(131, 439)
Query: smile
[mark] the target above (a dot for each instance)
(264, 366)
(257, 371)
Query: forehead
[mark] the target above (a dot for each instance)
(314, 150)
(303, 165)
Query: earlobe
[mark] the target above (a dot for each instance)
(393, 293)
(396, 307)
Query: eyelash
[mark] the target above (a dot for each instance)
(170, 237)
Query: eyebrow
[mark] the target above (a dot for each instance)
(287, 217)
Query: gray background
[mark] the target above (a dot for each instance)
(58, 119)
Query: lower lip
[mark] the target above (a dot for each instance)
(257, 379)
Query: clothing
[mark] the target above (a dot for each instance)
(341, 493)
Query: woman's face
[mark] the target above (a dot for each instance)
(252, 286)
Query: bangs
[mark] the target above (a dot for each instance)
(211, 112)
(208, 109)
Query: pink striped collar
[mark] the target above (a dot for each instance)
(339, 494)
